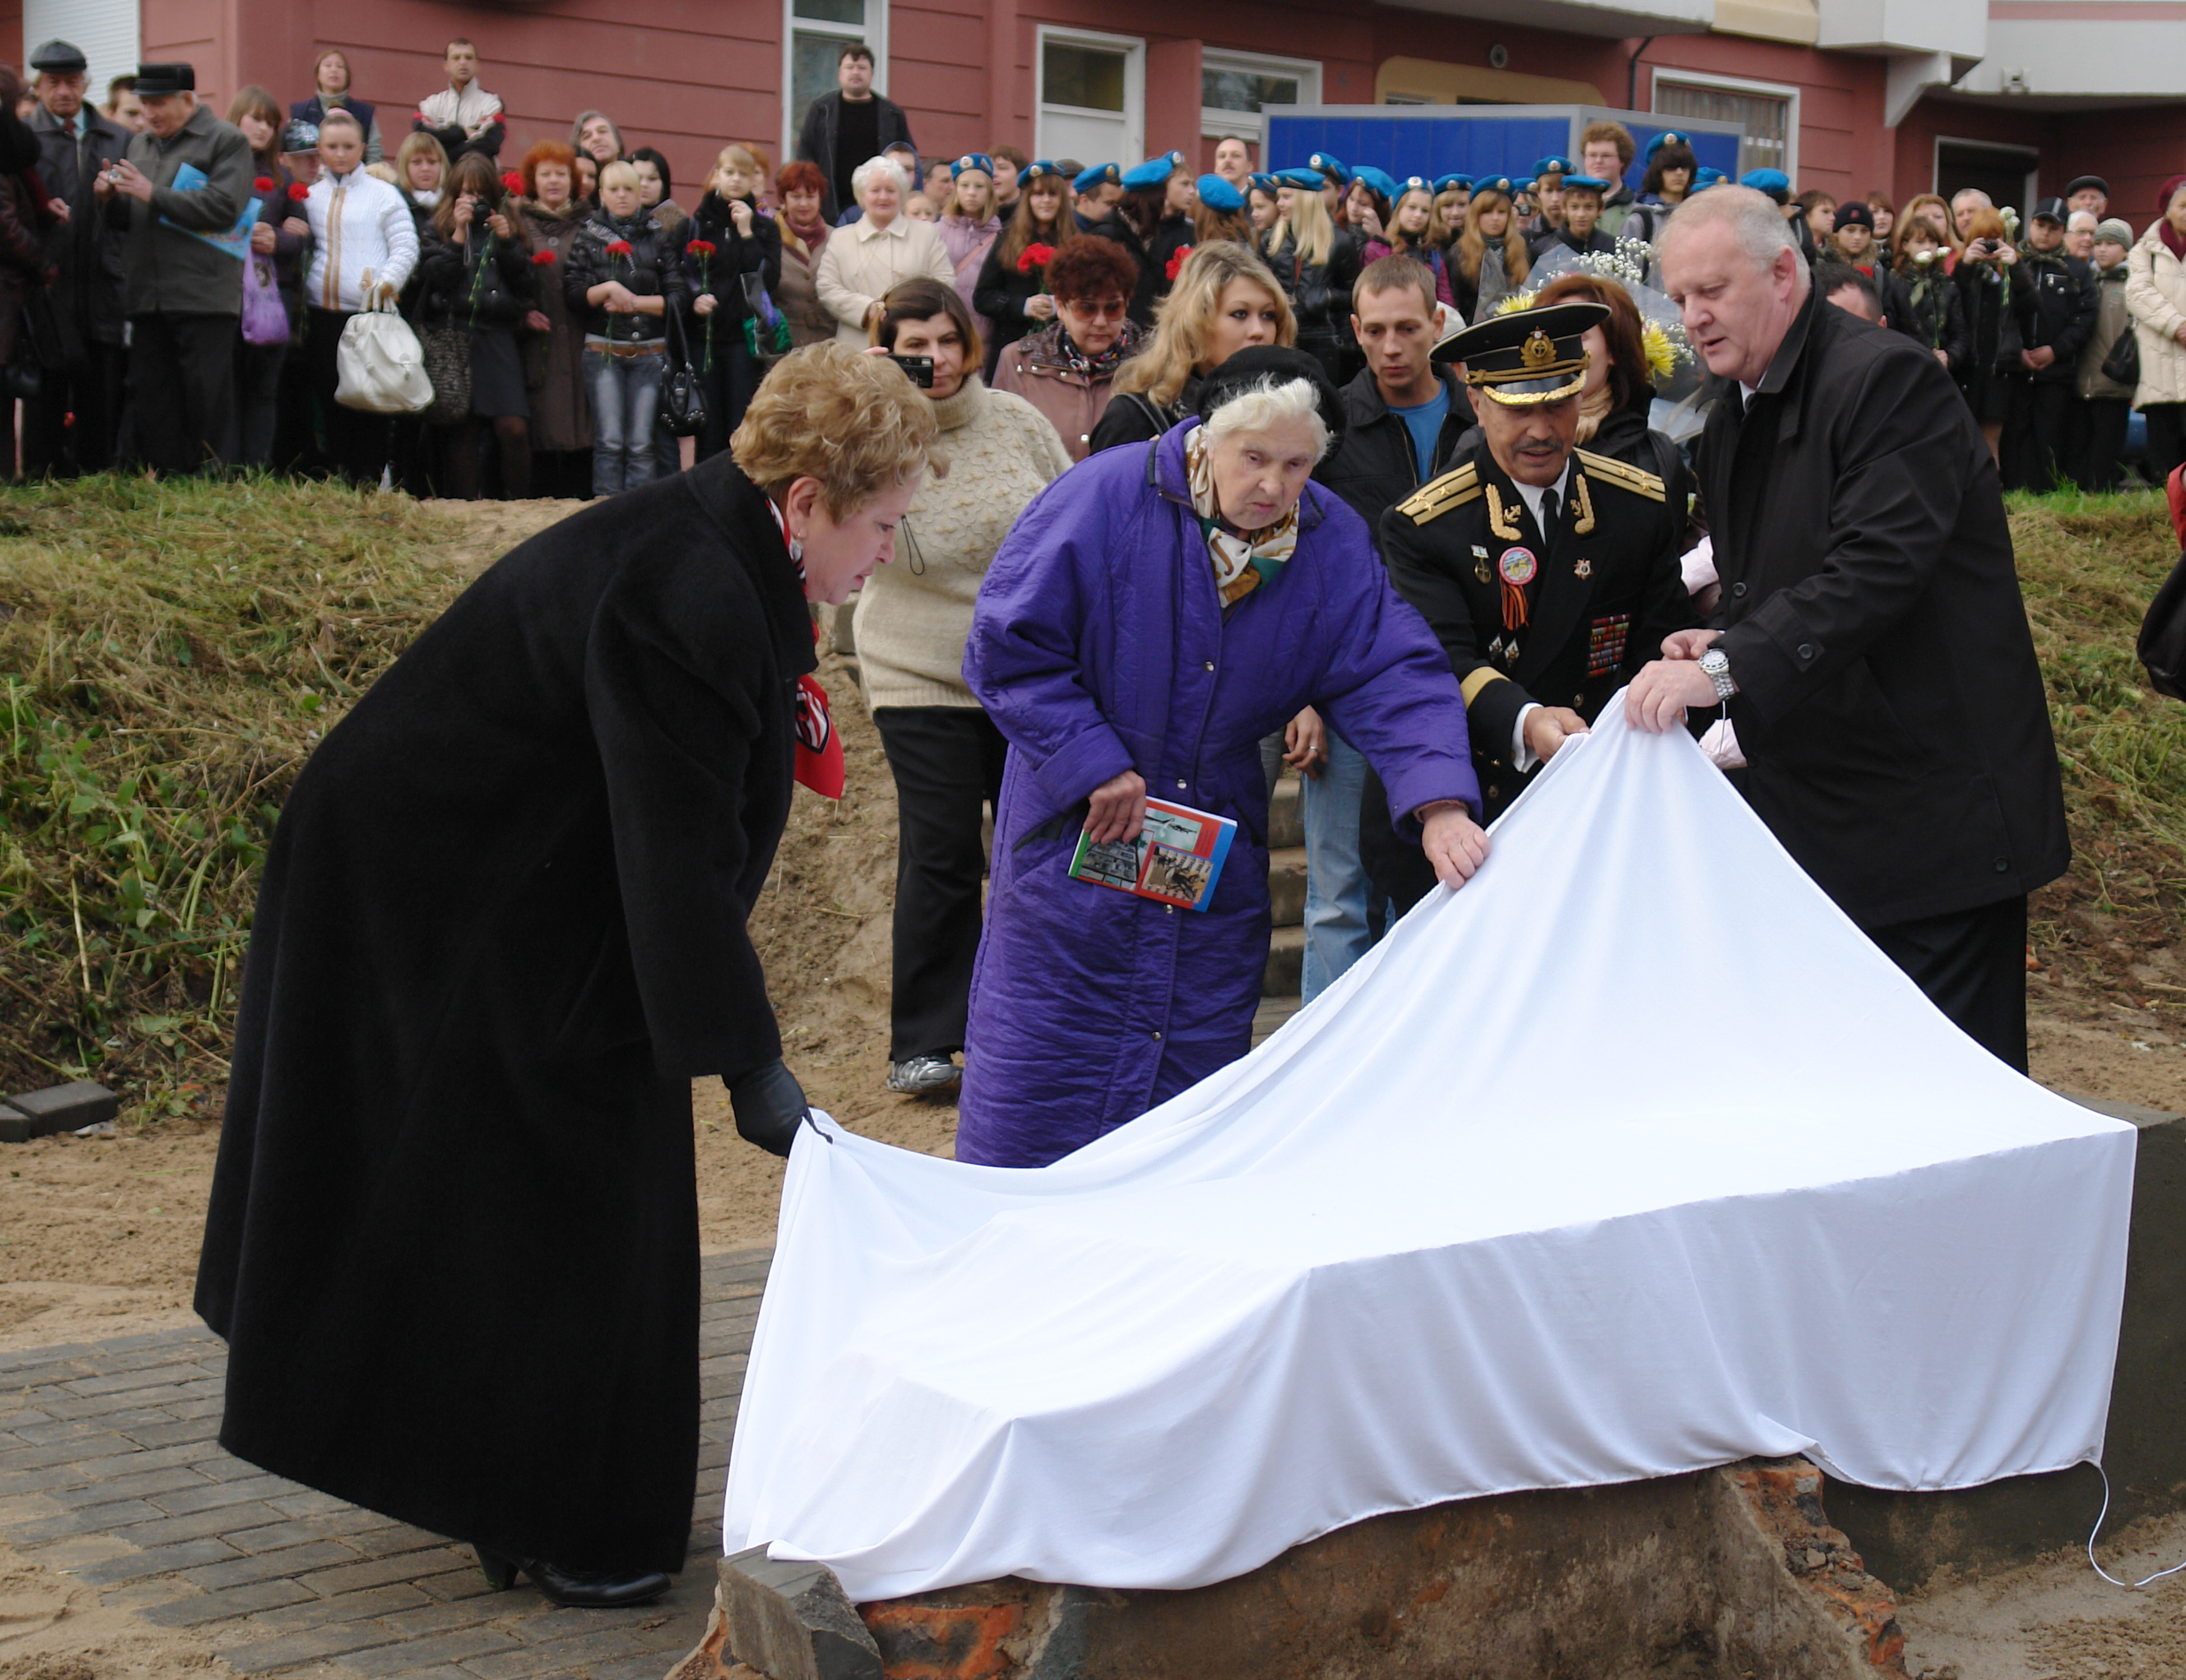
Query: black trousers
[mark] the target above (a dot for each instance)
(181, 389)
(948, 765)
(2167, 438)
(89, 389)
(2098, 435)
(2032, 451)
(357, 444)
(1973, 965)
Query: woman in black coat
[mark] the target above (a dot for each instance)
(453, 1240)
(728, 238)
(478, 277)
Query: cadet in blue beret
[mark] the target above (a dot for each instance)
(977, 160)
(1300, 180)
(1672, 177)
(1096, 175)
(1774, 182)
(1444, 183)
(1546, 190)
(1153, 173)
(1583, 196)
(1099, 189)
(1039, 169)
(1220, 197)
(1335, 178)
(1366, 204)
(1157, 200)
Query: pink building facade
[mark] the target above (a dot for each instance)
(2017, 96)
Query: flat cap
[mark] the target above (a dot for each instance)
(62, 58)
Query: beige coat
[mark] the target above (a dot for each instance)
(2155, 294)
(861, 263)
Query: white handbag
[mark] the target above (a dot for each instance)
(380, 361)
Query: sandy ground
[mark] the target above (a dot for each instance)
(100, 1237)
(2055, 1619)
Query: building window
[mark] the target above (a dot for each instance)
(1092, 96)
(1236, 88)
(1767, 114)
(812, 35)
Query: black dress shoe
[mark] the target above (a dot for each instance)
(575, 1589)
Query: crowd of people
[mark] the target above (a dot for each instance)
(192, 321)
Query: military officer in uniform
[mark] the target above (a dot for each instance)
(1550, 574)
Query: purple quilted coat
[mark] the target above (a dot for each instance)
(1099, 645)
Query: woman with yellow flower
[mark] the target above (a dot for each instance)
(1626, 357)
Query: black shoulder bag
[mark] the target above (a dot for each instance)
(683, 398)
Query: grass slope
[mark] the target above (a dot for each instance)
(169, 653)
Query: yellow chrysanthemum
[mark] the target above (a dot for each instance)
(1516, 302)
(1661, 353)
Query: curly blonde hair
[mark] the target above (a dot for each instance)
(852, 422)
(1185, 320)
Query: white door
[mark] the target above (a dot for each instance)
(1092, 98)
(106, 29)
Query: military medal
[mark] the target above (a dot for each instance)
(1585, 568)
(1479, 564)
(1518, 568)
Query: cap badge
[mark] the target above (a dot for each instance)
(1538, 348)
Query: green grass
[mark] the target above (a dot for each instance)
(168, 653)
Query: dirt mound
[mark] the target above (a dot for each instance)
(479, 532)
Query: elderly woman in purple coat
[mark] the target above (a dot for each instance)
(1153, 614)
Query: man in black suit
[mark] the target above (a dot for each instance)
(844, 128)
(1871, 645)
(1548, 573)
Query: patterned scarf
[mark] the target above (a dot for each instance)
(1091, 367)
(1244, 560)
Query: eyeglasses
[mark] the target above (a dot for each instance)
(1107, 310)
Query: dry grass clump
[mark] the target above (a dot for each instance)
(168, 654)
(2089, 565)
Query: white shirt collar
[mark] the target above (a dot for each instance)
(1533, 492)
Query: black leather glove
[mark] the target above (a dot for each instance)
(770, 1106)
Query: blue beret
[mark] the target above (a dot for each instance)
(1415, 183)
(1219, 196)
(1152, 172)
(1305, 180)
(1494, 184)
(1261, 179)
(1704, 176)
(1329, 164)
(1774, 183)
(1095, 174)
(1552, 165)
(1380, 180)
(1444, 183)
(1038, 169)
(1669, 137)
(1584, 182)
(971, 161)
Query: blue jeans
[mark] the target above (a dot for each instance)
(626, 392)
(1337, 895)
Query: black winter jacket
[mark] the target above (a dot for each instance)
(734, 257)
(650, 269)
(1001, 295)
(87, 247)
(816, 140)
(1376, 467)
(1932, 311)
(487, 281)
(2053, 299)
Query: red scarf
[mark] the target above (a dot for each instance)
(2172, 238)
(819, 748)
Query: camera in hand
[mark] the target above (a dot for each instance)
(917, 369)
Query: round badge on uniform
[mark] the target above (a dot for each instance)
(1517, 565)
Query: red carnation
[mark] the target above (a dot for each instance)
(513, 182)
(1176, 261)
(620, 248)
(701, 248)
(541, 259)
(263, 184)
(298, 191)
(1036, 256)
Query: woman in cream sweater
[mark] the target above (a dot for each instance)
(911, 623)
(883, 248)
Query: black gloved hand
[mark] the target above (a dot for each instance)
(770, 1106)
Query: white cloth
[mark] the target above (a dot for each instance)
(467, 109)
(1486, 1215)
(359, 225)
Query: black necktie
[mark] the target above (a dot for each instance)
(1548, 511)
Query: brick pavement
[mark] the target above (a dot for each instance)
(109, 1472)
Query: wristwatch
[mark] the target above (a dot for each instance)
(1715, 666)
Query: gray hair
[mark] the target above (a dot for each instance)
(1266, 404)
(1755, 219)
(1972, 195)
(866, 170)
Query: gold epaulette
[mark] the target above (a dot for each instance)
(1625, 478)
(1453, 488)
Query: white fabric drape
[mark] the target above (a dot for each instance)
(1632, 1158)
